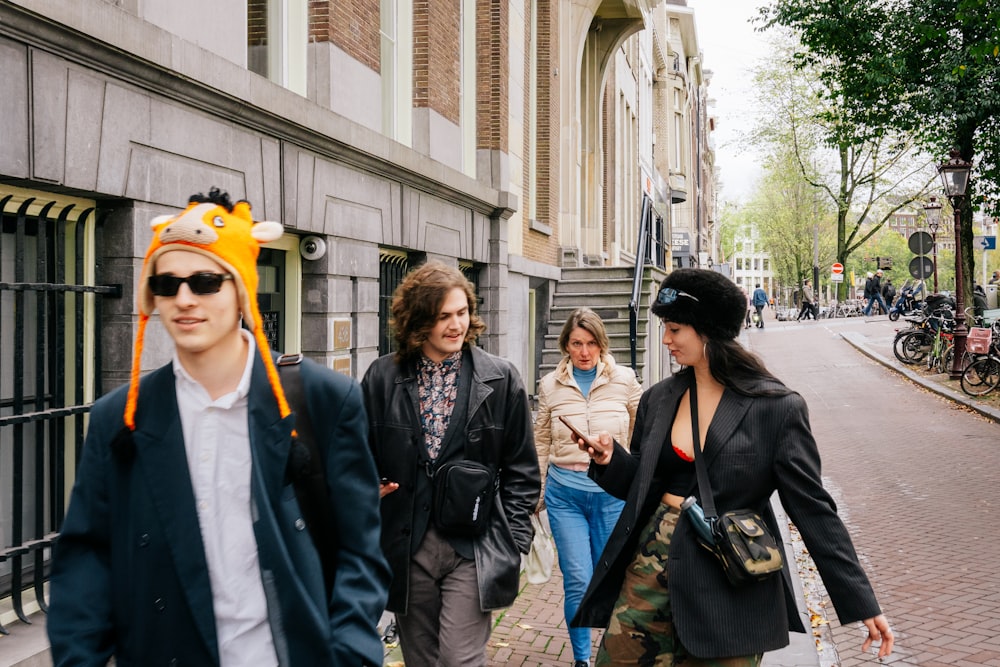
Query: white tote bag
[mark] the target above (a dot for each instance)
(538, 562)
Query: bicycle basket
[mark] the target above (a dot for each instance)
(978, 340)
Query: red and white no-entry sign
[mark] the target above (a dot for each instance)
(837, 273)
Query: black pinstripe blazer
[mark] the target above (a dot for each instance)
(754, 446)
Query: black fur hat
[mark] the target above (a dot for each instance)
(707, 300)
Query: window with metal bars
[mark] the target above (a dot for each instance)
(50, 373)
(393, 265)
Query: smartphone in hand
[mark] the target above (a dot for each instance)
(577, 433)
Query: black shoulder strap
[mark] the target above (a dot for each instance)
(704, 486)
(306, 472)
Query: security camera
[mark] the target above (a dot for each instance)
(312, 247)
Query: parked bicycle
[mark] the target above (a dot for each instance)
(942, 347)
(913, 344)
(982, 375)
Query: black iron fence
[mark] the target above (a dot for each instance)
(50, 370)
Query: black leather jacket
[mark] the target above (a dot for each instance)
(498, 429)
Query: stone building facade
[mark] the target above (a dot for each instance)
(511, 138)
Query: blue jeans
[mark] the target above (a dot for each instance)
(581, 523)
(881, 302)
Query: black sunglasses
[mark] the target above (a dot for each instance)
(668, 295)
(164, 284)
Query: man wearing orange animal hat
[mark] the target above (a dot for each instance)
(184, 542)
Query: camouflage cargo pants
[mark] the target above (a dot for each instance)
(641, 631)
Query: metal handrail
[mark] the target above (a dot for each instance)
(641, 252)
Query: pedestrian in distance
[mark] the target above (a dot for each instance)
(995, 278)
(873, 292)
(807, 309)
(979, 302)
(437, 406)
(749, 318)
(595, 394)
(888, 293)
(664, 597)
(184, 541)
(759, 301)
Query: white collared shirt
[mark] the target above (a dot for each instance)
(217, 441)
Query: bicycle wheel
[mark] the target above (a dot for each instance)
(933, 355)
(981, 376)
(899, 347)
(946, 357)
(911, 347)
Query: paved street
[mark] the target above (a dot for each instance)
(915, 477)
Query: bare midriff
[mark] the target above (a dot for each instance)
(672, 499)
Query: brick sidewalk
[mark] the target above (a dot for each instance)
(532, 632)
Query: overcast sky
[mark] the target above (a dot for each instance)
(730, 48)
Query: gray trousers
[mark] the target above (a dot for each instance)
(444, 626)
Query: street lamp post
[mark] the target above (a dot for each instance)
(955, 178)
(932, 210)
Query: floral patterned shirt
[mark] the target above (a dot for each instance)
(437, 388)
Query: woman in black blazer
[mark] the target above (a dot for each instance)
(663, 598)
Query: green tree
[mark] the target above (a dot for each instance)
(790, 222)
(926, 68)
(863, 178)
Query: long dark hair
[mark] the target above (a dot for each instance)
(739, 369)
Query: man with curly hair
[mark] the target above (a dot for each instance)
(439, 400)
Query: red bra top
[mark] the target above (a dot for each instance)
(676, 470)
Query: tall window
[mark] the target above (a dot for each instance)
(678, 131)
(467, 88)
(277, 35)
(396, 67)
(531, 152)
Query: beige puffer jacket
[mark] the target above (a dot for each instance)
(610, 406)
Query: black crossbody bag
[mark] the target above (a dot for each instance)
(463, 497)
(463, 490)
(741, 539)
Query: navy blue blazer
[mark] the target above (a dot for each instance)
(754, 446)
(129, 575)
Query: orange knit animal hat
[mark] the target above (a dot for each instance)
(215, 227)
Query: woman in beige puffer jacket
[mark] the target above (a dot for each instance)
(594, 394)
